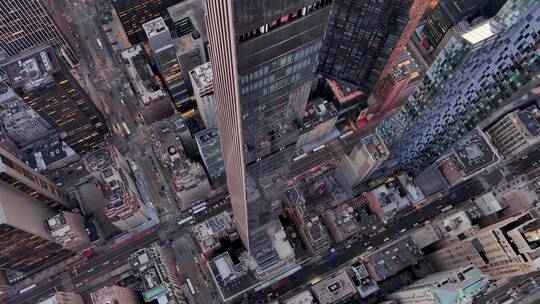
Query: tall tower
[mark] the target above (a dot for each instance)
(264, 56)
(28, 23)
(470, 79)
(45, 83)
(25, 244)
(161, 42)
(20, 177)
(365, 38)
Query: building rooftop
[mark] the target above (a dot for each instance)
(202, 77)
(392, 258)
(335, 288)
(474, 153)
(155, 27)
(106, 295)
(210, 232)
(32, 68)
(341, 222)
(361, 279)
(141, 76)
(99, 159)
(482, 32)
(316, 113)
(49, 153)
(376, 148)
(344, 92)
(192, 10)
(305, 297)
(67, 229)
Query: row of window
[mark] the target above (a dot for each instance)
(281, 62)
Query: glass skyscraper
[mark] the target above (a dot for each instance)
(474, 75)
(264, 58)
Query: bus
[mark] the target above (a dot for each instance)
(346, 134)
(99, 43)
(27, 289)
(190, 286)
(187, 219)
(196, 211)
(127, 132)
(299, 157)
(319, 148)
(200, 205)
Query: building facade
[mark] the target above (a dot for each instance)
(441, 110)
(123, 206)
(201, 80)
(19, 176)
(263, 59)
(161, 42)
(44, 82)
(67, 229)
(365, 38)
(363, 160)
(25, 244)
(453, 286)
(30, 23)
(516, 131)
(502, 250)
(209, 146)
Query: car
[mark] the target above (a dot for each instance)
(415, 224)
(79, 284)
(348, 246)
(106, 263)
(403, 230)
(369, 248)
(386, 239)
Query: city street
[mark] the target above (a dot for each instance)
(315, 271)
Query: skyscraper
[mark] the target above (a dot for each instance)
(365, 38)
(19, 176)
(446, 14)
(134, 13)
(160, 40)
(29, 23)
(264, 56)
(45, 83)
(25, 244)
(475, 75)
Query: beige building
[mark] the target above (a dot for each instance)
(115, 294)
(201, 80)
(64, 298)
(68, 230)
(362, 161)
(516, 131)
(501, 250)
(124, 205)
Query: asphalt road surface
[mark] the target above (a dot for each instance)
(459, 196)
